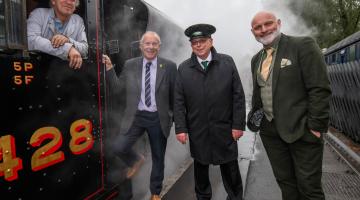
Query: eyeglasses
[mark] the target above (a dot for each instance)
(198, 41)
(154, 44)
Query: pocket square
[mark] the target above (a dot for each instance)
(285, 62)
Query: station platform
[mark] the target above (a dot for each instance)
(183, 189)
(340, 182)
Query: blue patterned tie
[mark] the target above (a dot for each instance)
(147, 85)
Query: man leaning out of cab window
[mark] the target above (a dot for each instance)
(58, 31)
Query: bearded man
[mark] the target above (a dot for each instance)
(291, 86)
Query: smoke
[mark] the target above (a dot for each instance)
(232, 20)
(233, 37)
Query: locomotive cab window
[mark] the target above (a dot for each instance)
(12, 23)
(44, 24)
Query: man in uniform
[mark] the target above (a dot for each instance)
(209, 107)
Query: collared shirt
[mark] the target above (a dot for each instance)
(42, 25)
(59, 26)
(209, 58)
(153, 70)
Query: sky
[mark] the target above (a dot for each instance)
(232, 21)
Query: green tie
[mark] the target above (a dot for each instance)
(205, 64)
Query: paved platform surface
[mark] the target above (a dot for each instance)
(261, 183)
(339, 181)
(183, 189)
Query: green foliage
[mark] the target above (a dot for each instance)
(333, 20)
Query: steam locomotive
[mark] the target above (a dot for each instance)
(56, 121)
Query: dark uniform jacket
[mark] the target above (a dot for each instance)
(300, 87)
(208, 105)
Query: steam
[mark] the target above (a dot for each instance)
(233, 37)
(232, 21)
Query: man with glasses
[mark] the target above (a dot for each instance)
(147, 83)
(209, 108)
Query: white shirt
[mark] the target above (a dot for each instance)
(209, 58)
(153, 70)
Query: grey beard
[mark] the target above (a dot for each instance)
(269, 38)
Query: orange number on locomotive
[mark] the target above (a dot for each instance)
(10, 163)
(46, 156)
(81, 138)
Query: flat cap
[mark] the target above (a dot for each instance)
(199, 30)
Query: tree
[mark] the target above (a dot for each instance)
(333, 19)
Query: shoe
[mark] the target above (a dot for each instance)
(155, 197)
(135, 168)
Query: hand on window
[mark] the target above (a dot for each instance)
(75, 59)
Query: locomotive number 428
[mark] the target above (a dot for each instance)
(48, 154)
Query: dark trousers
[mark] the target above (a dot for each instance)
(297, 166)
(149, 122)
(231, 177)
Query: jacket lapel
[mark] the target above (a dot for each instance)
(257, 62)
(160, 71)
(282, 49)
(256, 101)
(69, 30)
(138, 73)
